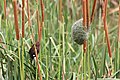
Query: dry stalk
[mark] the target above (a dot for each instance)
(28, 12)
(42, 10)
(84, 23)
(60, 10)
(16, 19)
(5, 8)
(93, 11)
(23, 17)
(105, 28)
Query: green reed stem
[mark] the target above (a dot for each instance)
(84, 65)
(59, 54)
(19, 59)
(82, 74)
(46, 55)
(22, 62)
(88, 57)
(63, 43)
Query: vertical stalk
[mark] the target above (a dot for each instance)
(87, 14)
(119, 26)
(38, 24)
(19, 60)
(17, 36)
(84, 65)
(40, 31)
(28, 12)
(106, 31)
(118, 61)
(23, 18)
(60, 10)
(46, 61)
(59, 54)
(93, 11)
(22, 62)
(40, 36)
(63, 55)
(60, 19)
(87, 23)
(84, 22)
(42, 9)
(5, 9)
(88, 58)
(16, 19)
(23, 25)
(85, 42)
(50, 58)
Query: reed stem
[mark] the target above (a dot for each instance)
(5, 9)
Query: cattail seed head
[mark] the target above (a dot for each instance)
(79, 32)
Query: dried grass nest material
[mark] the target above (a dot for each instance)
(79, 32)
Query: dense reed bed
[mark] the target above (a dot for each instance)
(24, 24)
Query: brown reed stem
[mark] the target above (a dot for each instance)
(84, 22)
(87, 13)
(40, 31)
(29, 21)
(42, 10)
(16, 19)
(93, 11)
(84, 13)
(23, 17)
(23, 25)
(41, 24)
(5, 8)
(119, 26)
(36, 54)
(106, 29)
(38, 24)
(28, 12)
(103, 10)
(60, 10)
